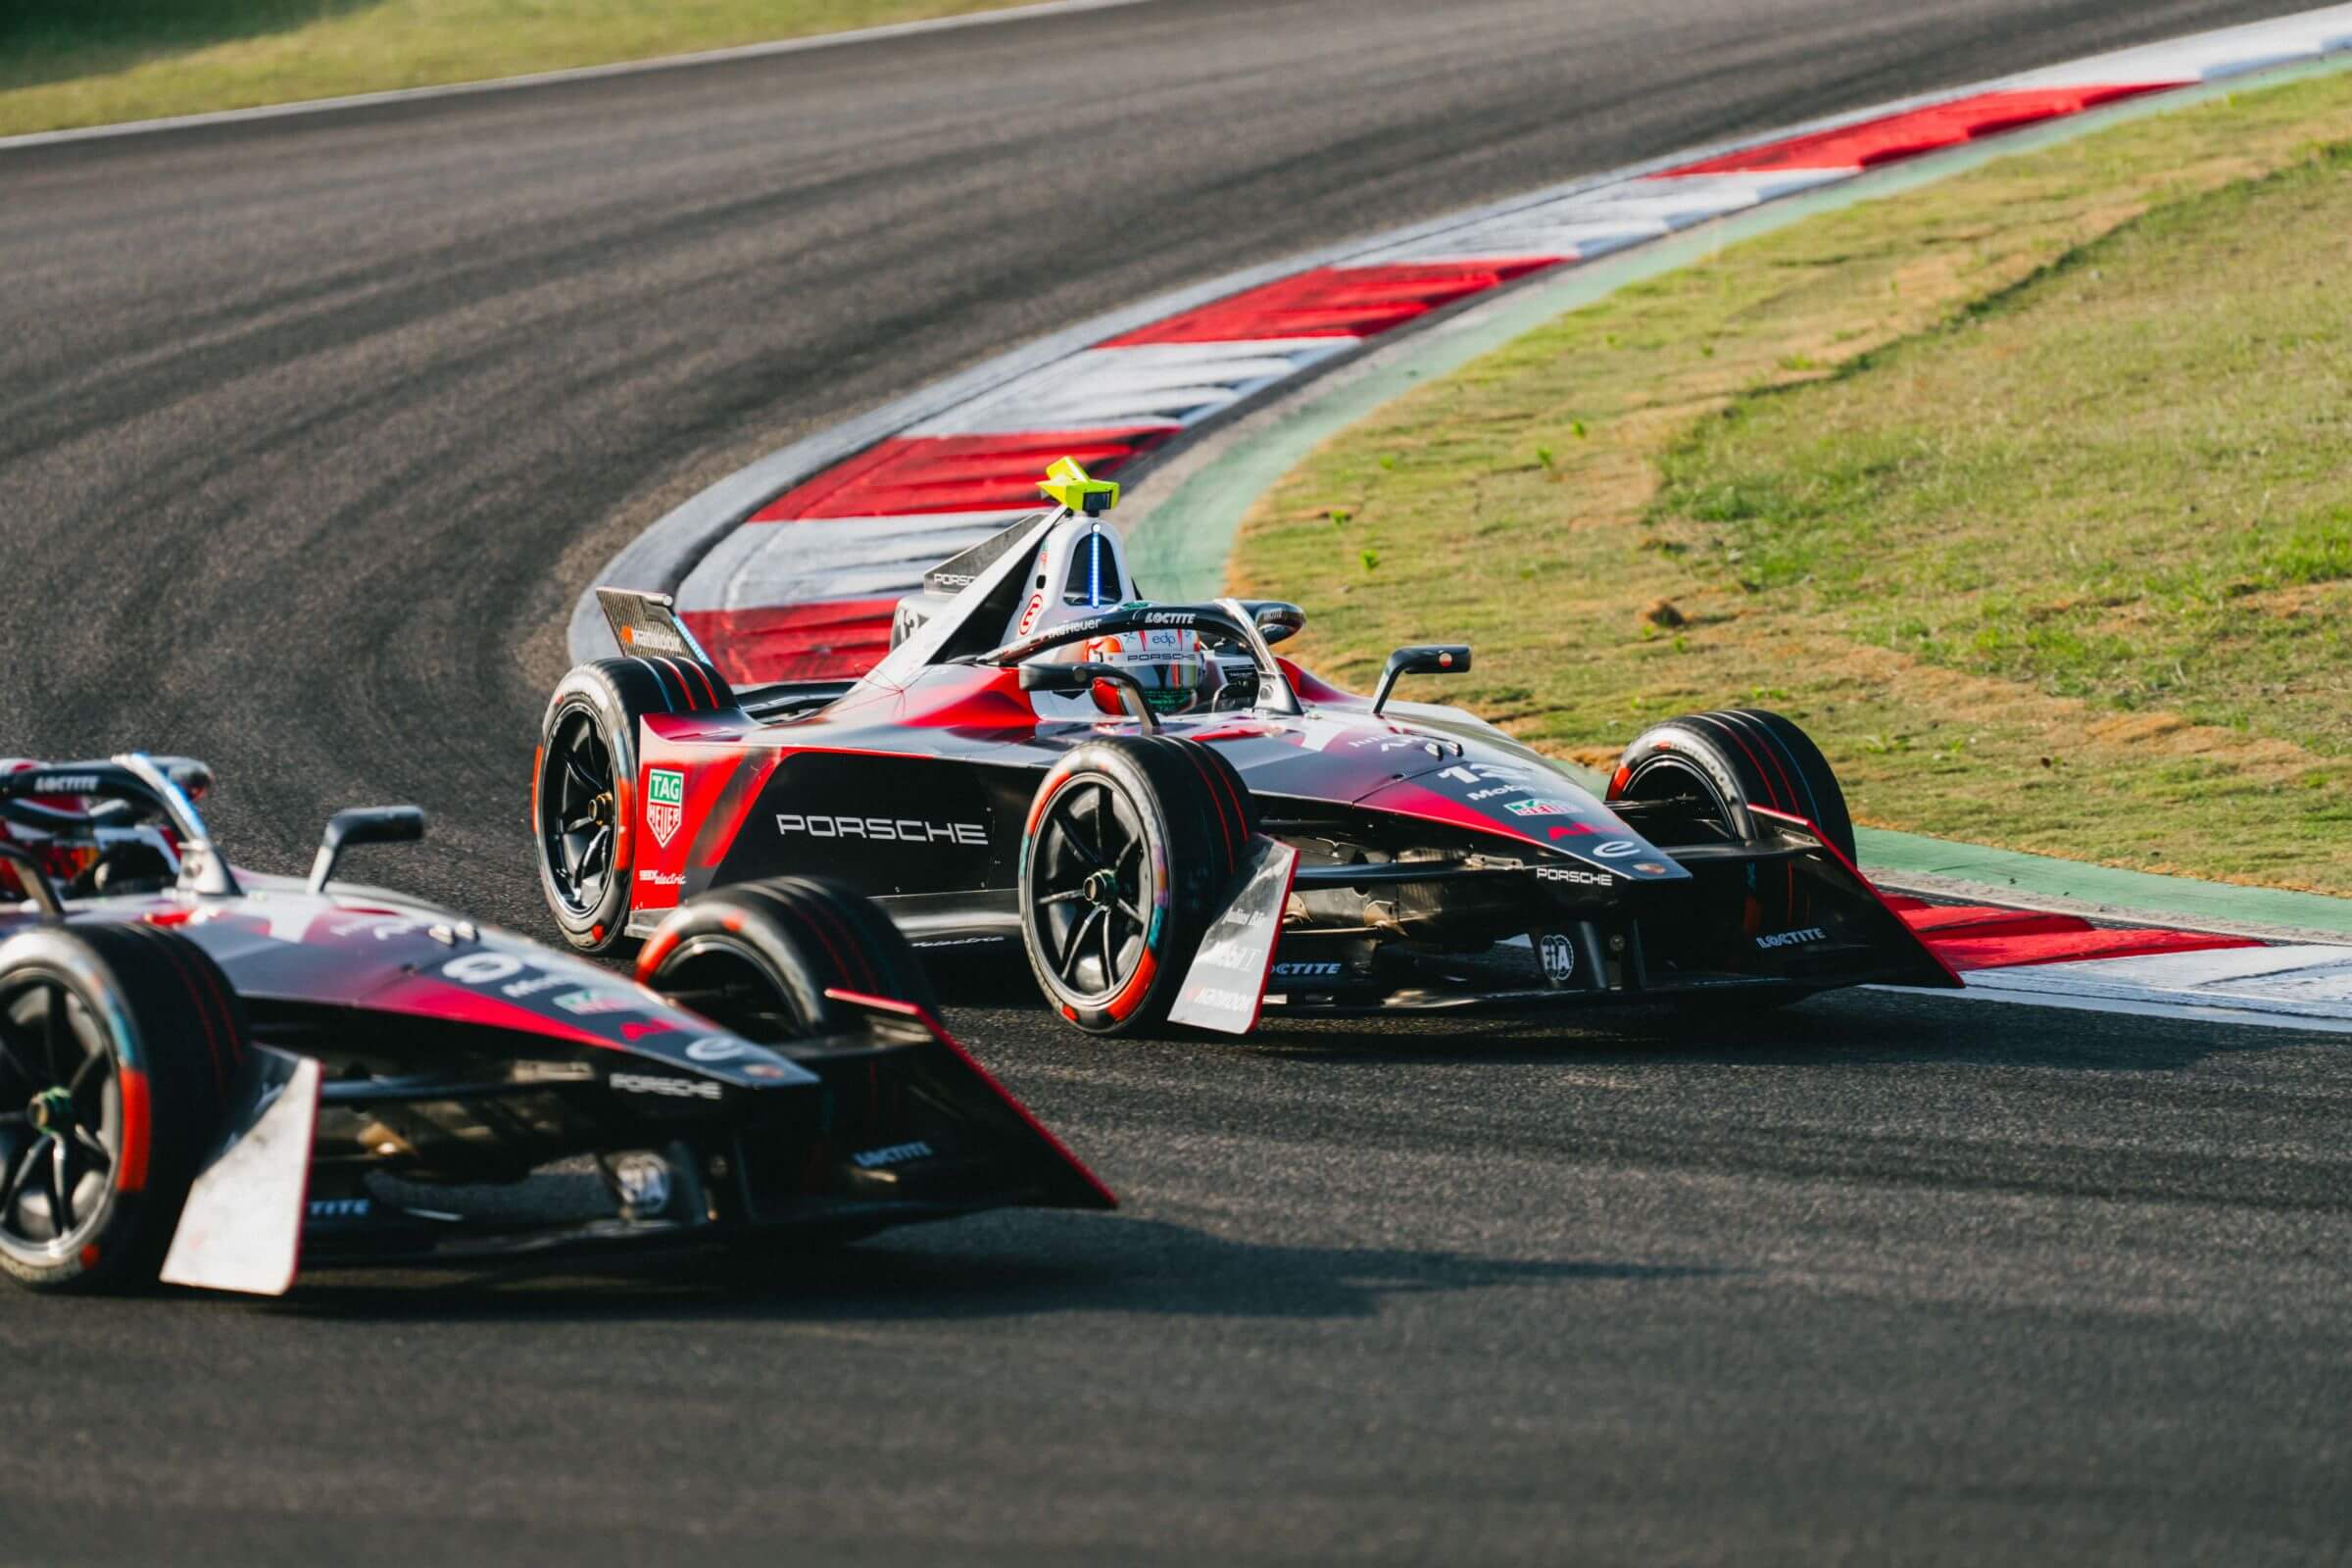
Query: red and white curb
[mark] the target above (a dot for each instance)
(2305, 986)
(790, 568)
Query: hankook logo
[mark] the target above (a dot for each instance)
(656, 638)
(883, 829)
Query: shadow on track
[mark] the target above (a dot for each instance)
(1008, 1266)
(1840, 1030)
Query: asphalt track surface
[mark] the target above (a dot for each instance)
(310, 432)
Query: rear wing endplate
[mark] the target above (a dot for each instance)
(646, 625)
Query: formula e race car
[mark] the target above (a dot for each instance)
(219, 1078)
(1176, 825)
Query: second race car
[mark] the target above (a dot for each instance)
(222, 1078)
(1175, 823)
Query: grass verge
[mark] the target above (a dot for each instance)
(102, 61)
(2025, 493)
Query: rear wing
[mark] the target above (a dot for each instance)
(647, 626)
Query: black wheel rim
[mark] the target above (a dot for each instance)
(726, 983)
(1089, 899)
(1667, 778)
(61, 1119)
(578, 811)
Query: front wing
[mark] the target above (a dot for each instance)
(1770, 920)
(898, 1126)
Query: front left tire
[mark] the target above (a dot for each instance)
(584, 797)
(1132, 846)
(117, 1049)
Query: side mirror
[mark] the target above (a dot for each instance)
(1277, 619)
(1074, 679)
(194, 778)
(363, 824)
(1433, 658)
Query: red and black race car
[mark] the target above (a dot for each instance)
(219, 1078)
(1175, 823)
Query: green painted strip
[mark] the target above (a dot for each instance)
(2178, 897)
(1182, 547)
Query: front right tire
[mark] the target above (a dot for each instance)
(758, 957)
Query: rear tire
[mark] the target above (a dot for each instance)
(1131, 847)
(119, 1045)
(1736, 758)
(584, 796)
(758, 957)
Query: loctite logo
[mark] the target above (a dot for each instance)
(893, 1154)
(1793, 939)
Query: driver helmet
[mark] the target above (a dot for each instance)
(66, 857)
(1167, 662)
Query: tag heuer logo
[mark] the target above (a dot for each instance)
(665, 803)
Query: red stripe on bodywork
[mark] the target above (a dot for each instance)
(908, 474)
(1975, 937)
(830, 640)
(1334, 302)
(1313, 688)
(1821, 840)
(138, 1121)
(938, 1033)
(1892, 137)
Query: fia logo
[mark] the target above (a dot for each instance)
(1559, 957)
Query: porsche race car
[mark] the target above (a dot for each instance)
(1176, 825)
(219, 1078)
